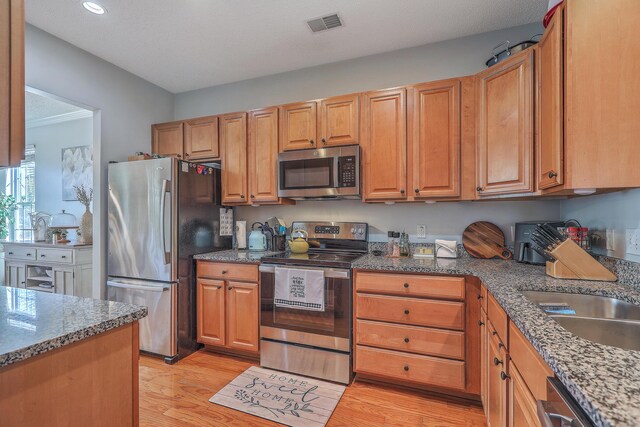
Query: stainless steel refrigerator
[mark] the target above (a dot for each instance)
(161, 213)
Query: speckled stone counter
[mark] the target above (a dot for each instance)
(604, 380)
(32, 322)
(234, 255)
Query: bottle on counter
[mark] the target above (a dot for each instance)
(390, 243)
(404, 244)
(396, 244)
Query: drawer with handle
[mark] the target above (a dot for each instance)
(413, 339)
(411, 285)
(411, 311)
(55, 255)
(410, 367)
(228, 271)
(17, 252)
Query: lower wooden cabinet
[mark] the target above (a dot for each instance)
(522, 404)
(228, 311)
(484, 358)
(497, 382)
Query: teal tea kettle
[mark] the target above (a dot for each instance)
(257, 239)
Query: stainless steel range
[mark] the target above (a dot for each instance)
(312, 337)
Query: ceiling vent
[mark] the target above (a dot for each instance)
(325, 23)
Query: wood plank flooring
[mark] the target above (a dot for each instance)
(179, 395)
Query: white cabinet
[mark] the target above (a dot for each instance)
(49, 268)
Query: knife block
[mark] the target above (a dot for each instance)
(573, 262)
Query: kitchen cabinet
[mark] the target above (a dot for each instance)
(505, 127)
(263, 156)
(63, 280)
(298, 126)
(384, 145)
(228, 306)
(339, 121)
(233, 141)
(484, 359)
(549, 105)
(434, 139)
(167, 139)
(497, 381)
(522, 404)
(12, 81)
(201, 139)
(15, 274)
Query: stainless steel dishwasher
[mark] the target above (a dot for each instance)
(560, 410)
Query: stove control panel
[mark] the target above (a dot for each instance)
(334, 230)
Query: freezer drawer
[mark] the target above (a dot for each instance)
(158, 330)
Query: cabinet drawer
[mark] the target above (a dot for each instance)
(411, 311)
(410, 367)
(413, 339)
(55, 255)
(533, 368)
(498, 319)
(17, 252)
(228, 271)
(411, 285)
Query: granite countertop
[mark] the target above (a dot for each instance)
(235, 255)
(604, 380)
(32, 322)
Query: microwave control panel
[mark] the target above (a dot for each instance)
(347, 171)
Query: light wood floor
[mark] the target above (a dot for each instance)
(179, 395)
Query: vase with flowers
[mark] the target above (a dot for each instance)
(85, 196)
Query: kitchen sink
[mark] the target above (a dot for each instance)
(616, 333)
(607, 321)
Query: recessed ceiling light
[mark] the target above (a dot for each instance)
(94, 7)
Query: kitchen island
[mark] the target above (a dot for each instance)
(67, 360)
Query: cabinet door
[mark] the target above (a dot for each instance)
(243, 316)
(12, 82)
(484, 360)
(549, 105)
(233, 139)
(434, 139)
(210, 311)
(384, 145)
(298, 126)
(498, 384)
(505, 127)
(263, 155)
(167, 139)
(201, 139)
(63, 281)
(339, 120)
(522, 404)
(15, 275)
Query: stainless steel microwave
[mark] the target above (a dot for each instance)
(327, 173)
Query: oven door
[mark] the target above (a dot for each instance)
(329, 329)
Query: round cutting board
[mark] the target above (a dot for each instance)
(485, 240)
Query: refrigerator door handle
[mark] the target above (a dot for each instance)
(166, 188)
(114, 284)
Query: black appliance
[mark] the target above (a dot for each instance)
(523, 244)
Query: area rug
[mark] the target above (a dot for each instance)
(285, 398)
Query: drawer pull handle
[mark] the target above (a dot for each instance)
(230, 287)
(497, 361)
(494, 333)
(42, 256)
(11, 253)
(406, 312)
(28, 254)
(406, 285)
(480, 323)
(500, 345)
(406, 367)
(224, 272)
(64, 256)
(406, 340)
(504, 376)
(480, 297)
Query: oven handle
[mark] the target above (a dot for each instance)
(328, 272)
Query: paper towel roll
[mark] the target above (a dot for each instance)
(241, 234)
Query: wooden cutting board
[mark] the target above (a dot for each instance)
(485, 240)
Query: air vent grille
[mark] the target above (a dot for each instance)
(325, 23)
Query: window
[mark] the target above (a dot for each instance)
(21, 184)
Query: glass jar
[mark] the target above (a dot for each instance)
(390, 243)
(404, 244)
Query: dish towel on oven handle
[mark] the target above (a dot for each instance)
(299, 289)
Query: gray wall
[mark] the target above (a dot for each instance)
(125, 105)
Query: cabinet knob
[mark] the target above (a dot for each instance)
(11, 253)
(178, 156)
(480, 297)
(504, 376)
(311, 141)
(63, 256)
(402, 191)
(406, 340)
(242, 196)
(417, 190)
(324, 141)
(253, 197)
(42, 256)
(494, 333)
(500, 345)
(186, 154)
(480, 323)
(406, 367)
(230, 287)
(479, 189)
(22, 282)
(497, 361)
(406, 312)
(406, 285)
(552, 174)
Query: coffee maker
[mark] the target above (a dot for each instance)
(523, 244)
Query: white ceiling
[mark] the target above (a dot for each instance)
(39, 107)
(183, 45)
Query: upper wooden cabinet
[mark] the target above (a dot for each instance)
(339, 121)
(384, 145)
(167, 139)
(549, 105)
(233, 142)
(434, 139)
(12, 122)
(201, 139)
(298, 126)
(505, 127)
(263, 155)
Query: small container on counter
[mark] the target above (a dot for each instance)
(404, 244)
